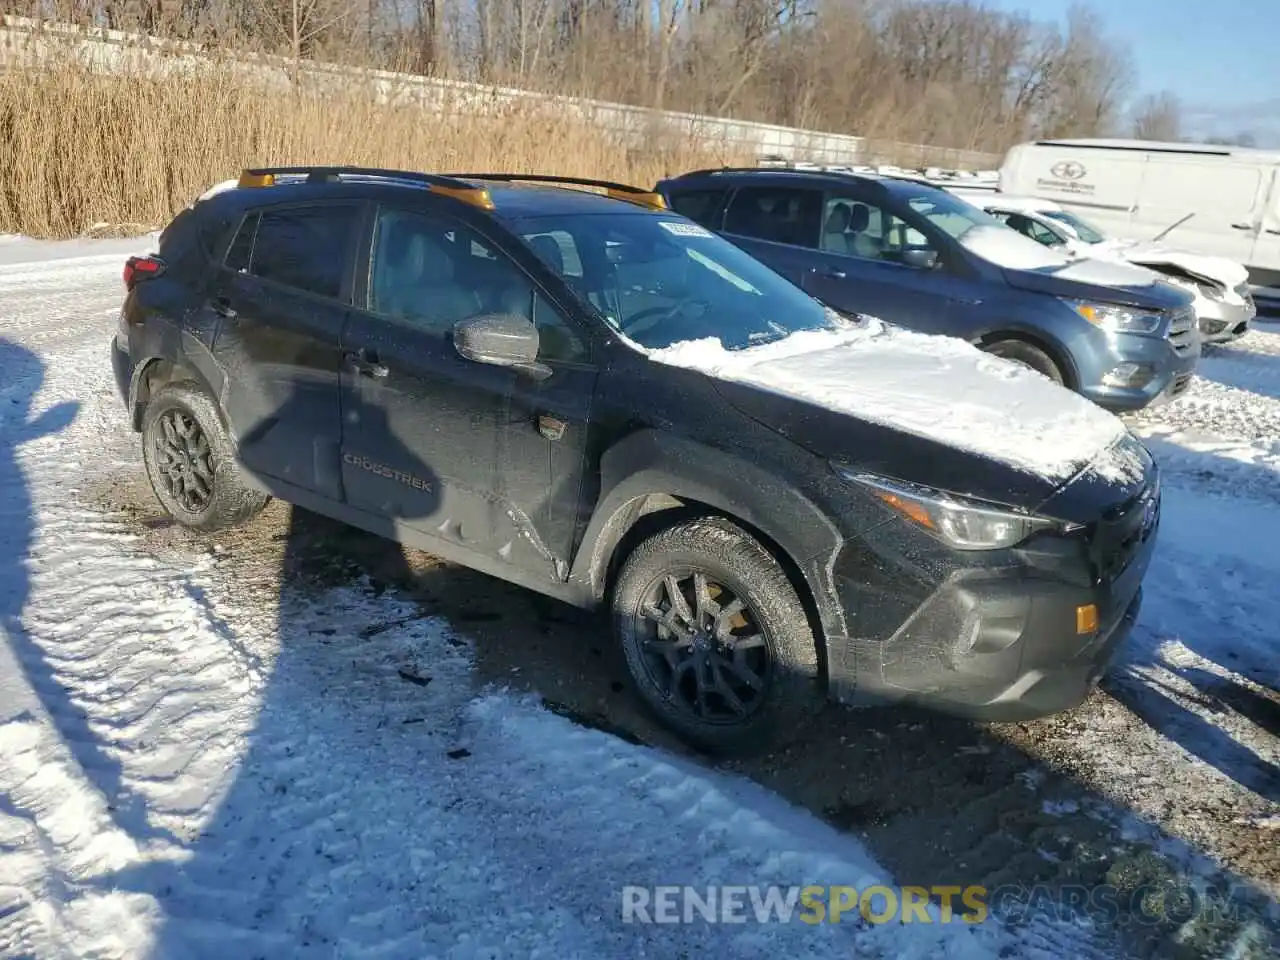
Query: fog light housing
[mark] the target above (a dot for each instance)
(1129, 375)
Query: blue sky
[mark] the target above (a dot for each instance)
(1219, 57)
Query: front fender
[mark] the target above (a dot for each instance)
(649, 464)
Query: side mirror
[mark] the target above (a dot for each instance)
(920, 258)
(500, 340)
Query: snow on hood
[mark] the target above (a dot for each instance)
(1227, 272)
(936, 387)
(1009, 249)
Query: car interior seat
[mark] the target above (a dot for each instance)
(861, 243)
(835, 232)
(419, 282)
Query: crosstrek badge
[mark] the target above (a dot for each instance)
(684, 229)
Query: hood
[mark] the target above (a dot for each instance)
(887, 399)
(1028, 265)
(1220, 270)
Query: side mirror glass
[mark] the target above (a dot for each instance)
(500, 340)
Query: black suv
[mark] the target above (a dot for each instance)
(600, 400)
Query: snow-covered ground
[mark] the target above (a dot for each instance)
(194, 764)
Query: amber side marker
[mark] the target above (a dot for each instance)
(1087, 618)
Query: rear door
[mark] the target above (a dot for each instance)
(281, 297)
(1213, 204)
(1266, 251)
(778, 225)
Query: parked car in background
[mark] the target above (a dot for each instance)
(1223, 304)
(915, 255)
(1218, 200)
(595, 398)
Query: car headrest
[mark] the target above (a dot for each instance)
(837, 219)
(429, 259)
(545, 246)
(859, 217)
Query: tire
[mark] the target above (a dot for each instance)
(184, 443)
(717, 556)
(1028, 355)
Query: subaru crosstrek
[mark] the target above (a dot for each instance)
(598, 399)
(918, 256)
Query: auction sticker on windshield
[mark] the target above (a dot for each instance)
(684, 229)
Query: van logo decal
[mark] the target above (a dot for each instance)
(1068, 170)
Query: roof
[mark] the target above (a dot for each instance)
(889, 182)
(1158, 146)
(504, 196)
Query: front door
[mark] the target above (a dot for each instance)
(862, 268)
(281, 298)
(482, 457)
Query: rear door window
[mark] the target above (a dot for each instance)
(305, 248)
(787, 215)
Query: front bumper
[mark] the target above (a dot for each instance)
(998, 645)
(1173, 369)
(1221, 322)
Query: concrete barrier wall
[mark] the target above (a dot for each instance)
(28, 44)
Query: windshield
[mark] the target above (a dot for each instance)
(662, 280)
(1084, 230)
(952, 215)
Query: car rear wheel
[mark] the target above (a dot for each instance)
(717, 643)
(1027, 355)
(191, 463)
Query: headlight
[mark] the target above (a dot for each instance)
(1119, 319)
(959, 523)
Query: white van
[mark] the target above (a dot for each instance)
(1222, 201)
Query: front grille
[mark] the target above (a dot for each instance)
(1180, 384)
(1182, 330)
(1118, 536)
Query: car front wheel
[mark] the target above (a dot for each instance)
(716, 640)
(1026, 355)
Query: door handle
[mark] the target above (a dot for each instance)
(1275, 232)
(830, 273)
(1242, 226)
(366, 363)
(222, 307)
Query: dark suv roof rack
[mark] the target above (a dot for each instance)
(616, 191)
(437, 183)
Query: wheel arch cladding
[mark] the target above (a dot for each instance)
(652, 480)
(175, 358)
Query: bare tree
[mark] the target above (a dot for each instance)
(1158, 116)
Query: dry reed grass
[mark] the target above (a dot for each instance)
(80, 148)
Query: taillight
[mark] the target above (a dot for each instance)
(137, 269)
